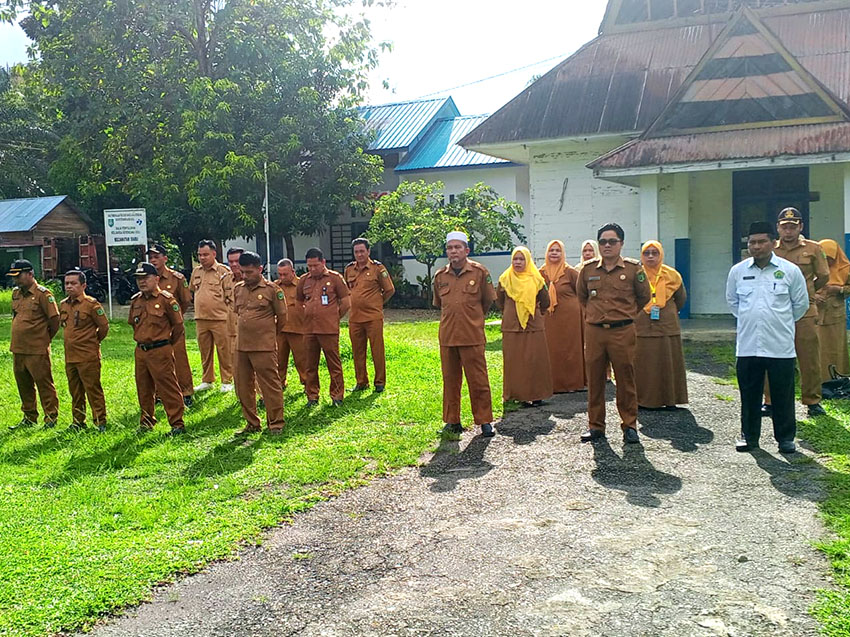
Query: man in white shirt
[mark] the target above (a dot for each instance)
(767, 295)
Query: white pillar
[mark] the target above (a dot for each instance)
(649, 208)
(846, 199)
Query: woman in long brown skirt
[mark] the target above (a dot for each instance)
(832, 315)
(564, 321)
(659, 359)
(522, 296)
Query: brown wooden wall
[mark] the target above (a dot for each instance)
(62, 221)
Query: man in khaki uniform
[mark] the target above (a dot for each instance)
(612, 290)
(212, 287)
(235, 272)
(85, 326)
(157, 324)
(35, 321)
(371, 287)
(464, 293)
(261, 314)
(176, 284)
(291, 338)
(809, 257)
(324, 297)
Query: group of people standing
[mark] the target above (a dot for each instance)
(249, 322)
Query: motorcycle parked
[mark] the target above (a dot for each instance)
(124, 283)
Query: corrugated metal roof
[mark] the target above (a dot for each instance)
(21, 215)
(399, 126)
(439, 149)
(620, 82)
(780, 141)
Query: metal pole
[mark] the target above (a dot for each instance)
(266, 221)
(109, 279)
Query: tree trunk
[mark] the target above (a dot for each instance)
(186, 253)
(429, 281)
(290, 246)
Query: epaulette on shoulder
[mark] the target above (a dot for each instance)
(350, 264)
(167, 294)
(632, 261)
(41, 288)
(377, 262)
(178, 275)
(136, 295)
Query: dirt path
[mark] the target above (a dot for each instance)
(532, 533)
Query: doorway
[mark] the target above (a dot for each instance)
(759, 195)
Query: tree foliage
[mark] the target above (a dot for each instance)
(415, 218)
(176, 104)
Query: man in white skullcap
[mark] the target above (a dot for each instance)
(464, 293)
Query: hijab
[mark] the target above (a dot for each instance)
(523, 286)
(840, 266)
(593, 244)
(663, 280)
(554, 272)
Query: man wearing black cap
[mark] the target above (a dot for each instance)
(35, 321)
(810, 258)
(767, 294)
(174, 282)
(157, 324)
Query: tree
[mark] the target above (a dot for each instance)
(175, 105)
(415, 218)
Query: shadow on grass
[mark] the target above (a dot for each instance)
(679, 427)
(633, 474)
(448, 467)
(793, 476)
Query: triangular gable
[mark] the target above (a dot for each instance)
(747, 79)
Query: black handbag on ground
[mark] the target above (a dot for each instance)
(836, 388)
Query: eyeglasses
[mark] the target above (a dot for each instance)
(608, 242)
(652, 253)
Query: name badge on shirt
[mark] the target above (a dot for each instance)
(749, 278)
(325, 299)
(655, 313)
(594, 278)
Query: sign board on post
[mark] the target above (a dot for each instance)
(123, 227)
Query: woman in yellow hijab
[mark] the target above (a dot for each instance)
(523, 297)
(564, 321)
(832, 313)
(659, 358)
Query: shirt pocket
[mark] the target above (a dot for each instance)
(780, 298)
(745, 296)
(63, 317)
(472, 293)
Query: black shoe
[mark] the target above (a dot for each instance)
(176, 431)
(766, 411)
(816, 410)
(312, 403)
(787, 446)
(77, 426)
(630, 436)
(188, 401)
(101, 427)
(743, 445)
(261, 404)
(379, 389)
(592, 434)
(487, 430)
(336, 402)
(452, 431)
(25, 422)
(49, 424)
(158, 401)
(360, 387)
(247, 431)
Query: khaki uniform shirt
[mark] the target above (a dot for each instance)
(464, 300)
(85, 326)
(213, 292)
(611, 297)
(155, 318)
(320, 318)
(294, 309)
(260, 315)
(174, 282)
(810, 258)
(371, 287)
(510, 318)
(33, 311)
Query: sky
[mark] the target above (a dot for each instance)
(442, 44)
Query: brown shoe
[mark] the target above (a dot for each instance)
(248, 430)
(274, 432)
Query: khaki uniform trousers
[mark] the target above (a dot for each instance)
(469, 360)
(289, 343)
(213, 335)
(314, 345)
(259, 369)
(155, 376)
(83, 382)
(373, 332)
(617, 347)
(31, 371)
(807, 347)
(182, 367)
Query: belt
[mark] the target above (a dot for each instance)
(148, 346)
(610, 326)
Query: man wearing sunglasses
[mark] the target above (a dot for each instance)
(612, 290)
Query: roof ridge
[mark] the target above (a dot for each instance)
(403, 102)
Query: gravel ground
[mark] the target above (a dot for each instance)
(532, 533)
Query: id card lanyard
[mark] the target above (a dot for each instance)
(654, 311)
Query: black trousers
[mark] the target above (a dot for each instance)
(780, 374)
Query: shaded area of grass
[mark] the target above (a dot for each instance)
(89, 522)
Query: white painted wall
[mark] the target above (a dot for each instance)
(711, 240)
(826, 217)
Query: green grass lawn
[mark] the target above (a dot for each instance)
(829, 436)
(90, 522)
